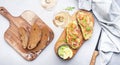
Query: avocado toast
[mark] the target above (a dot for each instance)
(73, 37)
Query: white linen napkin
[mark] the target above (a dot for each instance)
(107, 13)
(85, 4)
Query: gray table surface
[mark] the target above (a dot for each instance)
(8, 56)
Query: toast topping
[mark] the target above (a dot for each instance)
(73, 36)
(85, 22)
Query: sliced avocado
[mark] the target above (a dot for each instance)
(88, 28)
(65, 52)
(84, 20)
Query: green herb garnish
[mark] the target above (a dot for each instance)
(85, 34)
(84, 20)
(88, 28)
(69, 8)
(65, 40)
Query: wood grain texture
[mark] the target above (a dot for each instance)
(26, 20)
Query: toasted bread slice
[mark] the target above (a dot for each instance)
(23, 37)
(46, 38)
(73, 35)
(86, 22)
(35, 36)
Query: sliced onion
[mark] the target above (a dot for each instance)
(61, 19)
(48, 4)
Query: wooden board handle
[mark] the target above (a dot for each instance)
(93, 60)
(6, 14)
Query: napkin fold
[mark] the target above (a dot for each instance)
(107, 13)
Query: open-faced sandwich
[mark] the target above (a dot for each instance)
(74, 34)
(86, 22)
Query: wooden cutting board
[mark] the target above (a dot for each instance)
(26, 20)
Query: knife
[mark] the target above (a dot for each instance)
(96, 51)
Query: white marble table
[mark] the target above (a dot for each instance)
(8, 56)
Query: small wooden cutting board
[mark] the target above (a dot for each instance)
(26, 20)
